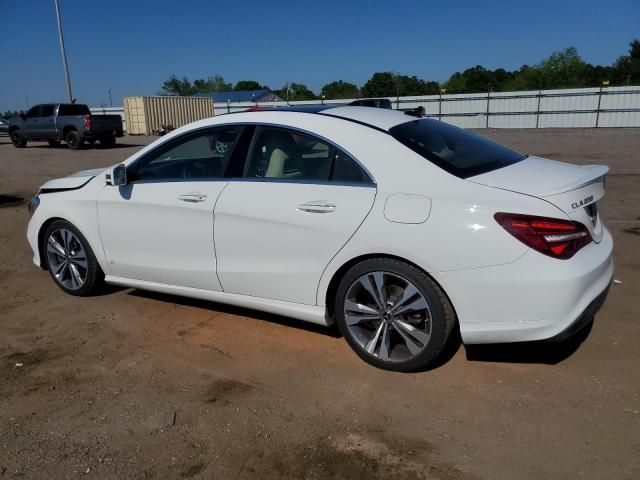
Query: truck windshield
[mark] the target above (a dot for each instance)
(457, 151)
(67, 109)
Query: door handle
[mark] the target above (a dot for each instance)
(317, 207)
(193, 197)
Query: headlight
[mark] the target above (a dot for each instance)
(33, 205)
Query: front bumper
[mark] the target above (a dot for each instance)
(533, 298)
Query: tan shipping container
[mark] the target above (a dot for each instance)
(144, 115)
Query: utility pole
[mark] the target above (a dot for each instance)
(64, 53)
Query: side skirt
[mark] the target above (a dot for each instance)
(308, 313)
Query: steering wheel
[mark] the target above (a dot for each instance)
(194, 168)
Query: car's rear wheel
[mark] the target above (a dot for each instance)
(74, 140)
(18, 139)
(393, 315)
(70, 260)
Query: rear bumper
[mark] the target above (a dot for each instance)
(533, 298)
(583, 320)
(93, 135)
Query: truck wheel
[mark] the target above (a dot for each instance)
(108, 141)
(53, 143)
(18, 139)
(74, 140)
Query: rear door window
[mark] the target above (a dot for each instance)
(47, 111)
(68, 109)
(282, 154)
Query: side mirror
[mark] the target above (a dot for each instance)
(117, 176)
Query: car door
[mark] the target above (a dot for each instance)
(297, 203)
(46, 127)
(159, 226)
(31, 124)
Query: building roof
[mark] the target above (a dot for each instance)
(233, 96)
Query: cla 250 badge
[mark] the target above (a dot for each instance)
(586, 201)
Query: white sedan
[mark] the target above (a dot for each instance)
(399, 229)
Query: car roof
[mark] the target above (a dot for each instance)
(378, 118)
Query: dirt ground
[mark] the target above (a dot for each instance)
(137, 385)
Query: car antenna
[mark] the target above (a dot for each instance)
(416, 112)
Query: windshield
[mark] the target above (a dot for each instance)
(457, 151)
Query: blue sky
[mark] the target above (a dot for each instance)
(132, 46)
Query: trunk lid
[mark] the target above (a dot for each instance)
(574, 189)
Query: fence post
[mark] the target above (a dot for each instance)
(442, 90)
(487, 114)
(604, 82)
(228, 106)
(538, 109)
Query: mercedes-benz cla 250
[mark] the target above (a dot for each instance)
(399, 229)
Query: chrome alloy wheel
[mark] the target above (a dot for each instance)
(388, 316)
(67, 259)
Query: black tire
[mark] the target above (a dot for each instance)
(108, 141)
(74, 140)
(18, 139)
(441, 313)
(93, 275)
(53, 143)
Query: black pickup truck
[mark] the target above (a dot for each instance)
(68, 122)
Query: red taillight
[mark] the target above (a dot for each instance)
(87, 122)
(551, 236)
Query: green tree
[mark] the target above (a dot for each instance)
(184, 87)
(564, 69)
(295, 92)
(416, 86)
(176, 86)
(244, 85)
(340, 89)
(381, 84)
(626, 69)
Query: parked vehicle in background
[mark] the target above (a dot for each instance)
(68, 122)
(4, 127)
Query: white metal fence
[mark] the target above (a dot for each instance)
(580, 107)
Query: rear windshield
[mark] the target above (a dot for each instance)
(457, 151)
(67, 109)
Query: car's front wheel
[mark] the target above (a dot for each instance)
(393, 315)
(70, 260)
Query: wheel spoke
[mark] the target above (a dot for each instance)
(416, 304)
(65, 239)
(412, 331)
(378, 281)
(385, 345)
(367, 284)
(60, 269)
(413, 347)
(54, 247)
(76, 279)
(79, 261)
(409, 292)
(351, 306)
(371, 346)
(357, 319)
